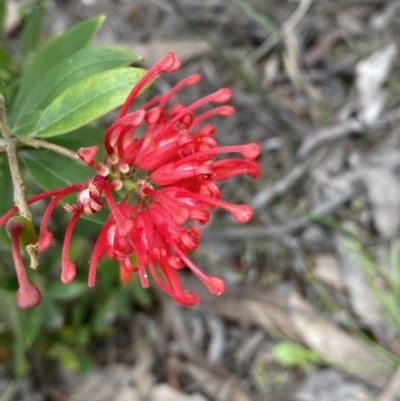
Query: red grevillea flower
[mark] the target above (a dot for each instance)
(166, 179)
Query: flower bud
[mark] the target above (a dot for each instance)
(23, 227)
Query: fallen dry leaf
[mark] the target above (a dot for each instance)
(337, 346)
(327, 271)
(372, 73)
(383, 188)
(164, 392)
(215, 386)
(269, 310)
(103, 385)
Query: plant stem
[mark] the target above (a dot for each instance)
(37, 143)
(4, 128)
(19, 195)
(18, 183)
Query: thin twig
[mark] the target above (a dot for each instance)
(342, 130)
(279, 233)
(310, 144)
(289, 25)
(37, 143)
(268, 194)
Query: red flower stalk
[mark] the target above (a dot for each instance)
(166, 177)
(21, 231)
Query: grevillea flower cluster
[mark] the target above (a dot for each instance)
(166, 181)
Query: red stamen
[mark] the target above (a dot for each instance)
(98, 252)
(179, 214)
(137, 119)
(164, 99)
(250, 151)
(27, 295)
(29, 201)
(220, 96)
(222, 111)
(168, 63)
(224, 169)
(68, 269)
(242, 213)
(45, 236)
(124, 225)
(140, 253)
(214, 284)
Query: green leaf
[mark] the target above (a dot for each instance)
(79, 66)
(141, 295)
(292, 355)
(5, 58)
(26, 125)
(3, 8)
(69, 359)
(56, 49)
(87, 100)
(83, 137)
(66, 292)
(33, 321)
(31, 33)
(51, 170)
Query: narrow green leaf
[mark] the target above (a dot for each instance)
(31, 33)
(268, 24)
(79, 66)
(51, 170)
(27, 123)
(56, 49)
(3, 7)
(5, 58)
(87, 100)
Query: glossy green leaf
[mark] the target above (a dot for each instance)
(51, 170)
(87, 100)
(26, 125)
(56, 49)
(79, 66)
(31, 33)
